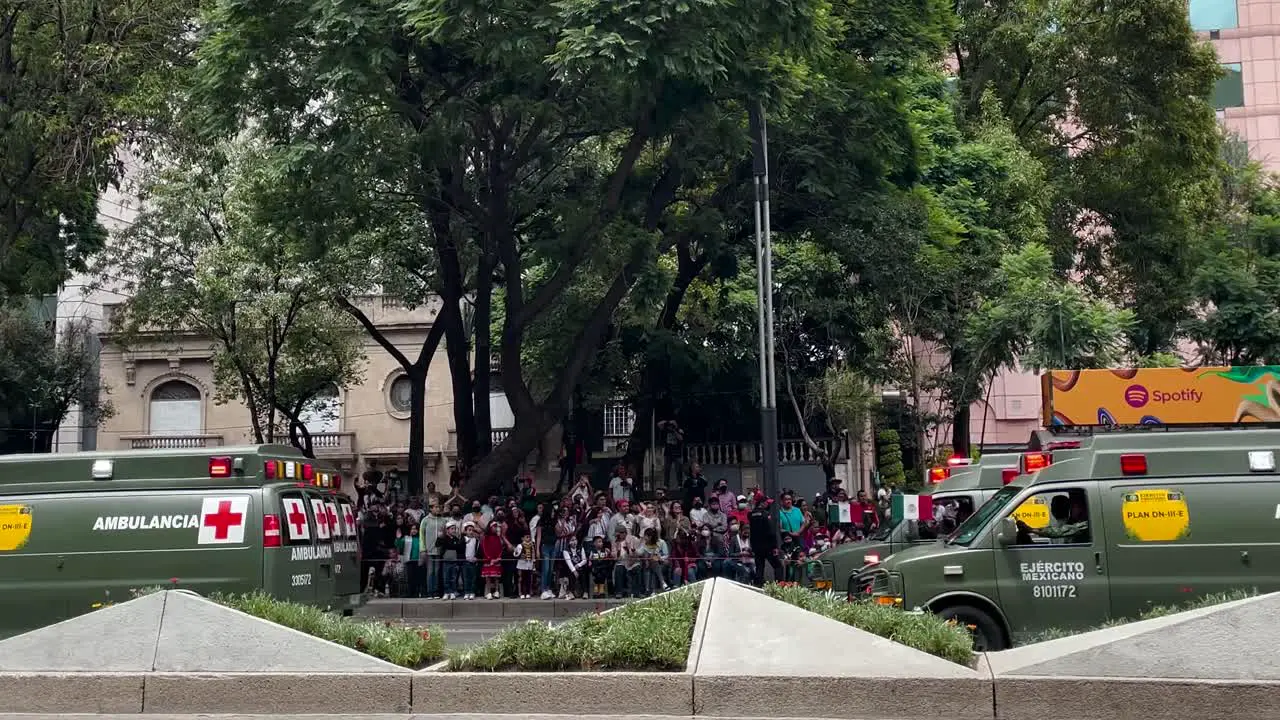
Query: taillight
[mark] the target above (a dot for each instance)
(1063, 445)
(871, 559)
(1133, 464)
(271, 531)
(219, 467)
(1034, 461)
(938, 474)
(1007, 475)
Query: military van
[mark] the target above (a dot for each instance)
(84, 530)
(958, 489)
(1102, 529)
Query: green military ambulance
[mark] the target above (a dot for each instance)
(959, 490)
(83, 530)
(1102, 529)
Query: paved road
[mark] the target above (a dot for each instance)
(462, 632)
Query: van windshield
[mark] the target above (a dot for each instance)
(969, 529)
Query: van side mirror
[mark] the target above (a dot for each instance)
(1007, 533)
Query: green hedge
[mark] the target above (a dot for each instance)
(652, 634)
(413, 648)
(923, 631)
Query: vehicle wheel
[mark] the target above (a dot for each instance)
(986, 632)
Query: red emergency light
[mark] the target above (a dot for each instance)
(1063, 445)
(1007, 475)
(308, 472)
(958, 461)
(1133, 464)
(271, 531)
(220, 467)
(271, 469)
(1035, 461)
(938, 474)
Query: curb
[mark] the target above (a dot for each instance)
(642, 693)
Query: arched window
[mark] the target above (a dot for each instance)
(324, 413)
(176, 409)
(401, 394)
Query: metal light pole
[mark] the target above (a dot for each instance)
(764, 299)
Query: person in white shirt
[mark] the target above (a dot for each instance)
(621, 487)
(469, 566)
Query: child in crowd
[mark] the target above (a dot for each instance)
(524, 566)
(574, 582)
(601, 567)
(472, 552)
(491, 550)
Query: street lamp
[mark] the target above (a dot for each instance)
(764, 298)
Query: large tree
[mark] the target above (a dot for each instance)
(79, 80)
(198, 259)
(41, 376)
(548, 149)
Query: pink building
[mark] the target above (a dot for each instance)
(1246, 34)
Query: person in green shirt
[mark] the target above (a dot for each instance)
(410, 549)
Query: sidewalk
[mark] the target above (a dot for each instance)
(481, 608)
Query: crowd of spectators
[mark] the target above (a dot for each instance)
(595, 543)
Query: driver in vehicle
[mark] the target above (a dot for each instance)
(1068, 523)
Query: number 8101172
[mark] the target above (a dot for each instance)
(1053, 591)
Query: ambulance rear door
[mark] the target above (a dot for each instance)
(293, 551)
(326, 517)
(346, 555)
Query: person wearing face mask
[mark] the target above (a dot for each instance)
(477, 515)
(677, 522)
(694, 486)
(710, 553)
(764, 540)
(698, 514)
(738, 511)
(714, 519)
(741, 559)
(728, 500)
(576, 577)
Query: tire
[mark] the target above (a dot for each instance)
(987, 634)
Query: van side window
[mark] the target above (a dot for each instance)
(294, 519)
(1054, 517)
(948, 513)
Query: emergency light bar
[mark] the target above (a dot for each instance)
(219, 467)
(959, 461)
(1007, 475)
(1133, 464)
(938, 474)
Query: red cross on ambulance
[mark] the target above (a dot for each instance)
(222, 520)
(331, 512)
(349, 520)
(295, 518)
(322, 519)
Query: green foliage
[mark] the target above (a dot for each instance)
(41, 376)
(199, 258)
(843, 398)
(1153, 612)
(79, 80)
(1237, 285)
(652, 634)
(1041, 320)
(889, 459)
(413, 648)
(1111, 99)
(924, 631)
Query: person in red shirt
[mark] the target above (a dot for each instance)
(739, 512)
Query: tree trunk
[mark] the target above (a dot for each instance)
(458, 350)
(960, 430)
(480, 380)
(652, 378)
(417, 427)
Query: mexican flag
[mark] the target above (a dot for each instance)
(842, 513)
(912, 507)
